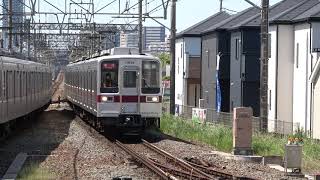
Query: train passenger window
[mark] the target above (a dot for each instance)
(150, 77)
(129, 79)
(109, 77)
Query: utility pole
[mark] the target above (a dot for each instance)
(173, 57)
(221, 7)
(264, 64)
(140, 26)
(10, 25)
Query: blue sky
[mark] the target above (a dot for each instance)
(189, 12)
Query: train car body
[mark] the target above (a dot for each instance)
(25, 87)
(122, 89)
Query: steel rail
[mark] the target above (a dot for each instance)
(178, 172)
(177, 160)
(149, 164)
(214, 172)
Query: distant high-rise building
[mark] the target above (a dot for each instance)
(17, 17)
(153, 35)
(129, 39)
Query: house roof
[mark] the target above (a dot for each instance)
(196, 29)
(303, 11)
(275, 10)
(233, 20)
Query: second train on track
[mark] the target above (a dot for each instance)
(121, 88)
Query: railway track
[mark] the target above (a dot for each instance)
(174, 168)
(57, 83)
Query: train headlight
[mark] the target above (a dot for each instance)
(104, 98)
(152, 99)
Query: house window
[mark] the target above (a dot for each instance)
(270, 98)
(237, 48)
(208, 58)
(178, 65)
(297, 56)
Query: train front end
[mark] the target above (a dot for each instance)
(129, 92)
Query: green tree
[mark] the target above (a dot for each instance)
(164, 58)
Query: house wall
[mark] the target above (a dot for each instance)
(224, 69)
(208, 70)
(302, 71)
(235, 70)
(250, 69)
(185, 47)
(280, 79)
(245, 69)
(316, 107)
(179, 81)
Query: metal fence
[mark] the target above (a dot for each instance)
(226, 119)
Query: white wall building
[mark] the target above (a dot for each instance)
(188, 63)
(293, 69)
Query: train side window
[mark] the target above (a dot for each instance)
(150, 77)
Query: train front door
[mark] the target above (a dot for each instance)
(130, 90)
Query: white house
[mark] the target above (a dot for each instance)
(188, 63)
(293, 69)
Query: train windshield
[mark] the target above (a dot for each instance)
(109, 77)
(150, 77)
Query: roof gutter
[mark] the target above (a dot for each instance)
(315, 71)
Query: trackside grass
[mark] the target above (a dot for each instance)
(34, 172)
(220, 138)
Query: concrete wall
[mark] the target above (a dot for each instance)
(280, 82)
(208, 70)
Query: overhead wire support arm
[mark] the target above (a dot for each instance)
(106, 6)
(253, 4)
(55, 7)
(81, 7)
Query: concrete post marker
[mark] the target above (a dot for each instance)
(242, 131)
(15, 167)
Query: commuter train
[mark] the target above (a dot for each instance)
(121, 88)
(25, 87)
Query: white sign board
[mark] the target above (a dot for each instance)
(199, 114)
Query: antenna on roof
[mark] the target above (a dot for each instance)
(221, 7)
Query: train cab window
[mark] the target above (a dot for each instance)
(109, 77)
(150, 77)
(130, 79)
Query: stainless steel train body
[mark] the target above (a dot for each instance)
(132, 100)
(25, 86)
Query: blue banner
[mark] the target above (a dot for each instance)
(218, 89)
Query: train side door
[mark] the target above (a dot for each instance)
(130, 90)
(1, 92)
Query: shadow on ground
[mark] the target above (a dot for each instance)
(37, 137)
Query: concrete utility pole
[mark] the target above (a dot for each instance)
(140, 26)
(264, 64)
(173, 57)
(10, 25)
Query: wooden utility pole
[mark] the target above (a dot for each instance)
(140, 26)
(221, 7)
(10, 25)
(264, 64)
(173, 57)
